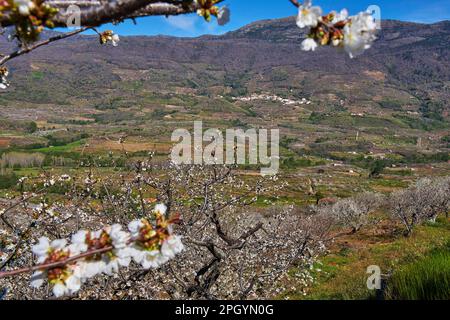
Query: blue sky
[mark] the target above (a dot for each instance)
(246, 11)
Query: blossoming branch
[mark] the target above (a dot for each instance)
(66, 266)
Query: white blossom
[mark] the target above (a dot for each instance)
(309, 45)
(115, 40)
(160, 208)
(24, 6)
(339, 16)
(121, 258)
(37, 279)
(74, 250)
(70, 285)
(308, 16)
(79, 239)
(172, 246)
(73, 283)
(149, 259)
(58, 244)
(134, 227)
(359, 34)
(59, 290)
(119, 237)
(42, 249)
(90, 269)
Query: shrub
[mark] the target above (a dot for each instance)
(390, 104)
(8, 180)
(159, 114)
(446, 138)
(376, 168)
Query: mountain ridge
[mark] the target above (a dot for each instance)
(409, 63)
(289, 20)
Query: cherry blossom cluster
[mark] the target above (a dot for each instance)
(66, 266)
(208, 8)
(352, 33)
(30, 17)
(109, 36)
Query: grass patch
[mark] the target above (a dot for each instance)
(389, 183)
(65, 148)
(426, 279)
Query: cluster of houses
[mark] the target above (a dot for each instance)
(273, 98)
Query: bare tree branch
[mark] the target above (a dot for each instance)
(295, 3)
(53, 265)
(99, 13)
(28, 49)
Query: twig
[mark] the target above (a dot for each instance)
(2, 215)
(26, 50)
(295, 3)
(16, 248)
(52, 265)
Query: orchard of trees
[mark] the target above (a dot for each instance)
(205, 240)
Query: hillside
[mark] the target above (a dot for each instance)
(394, 99)
(411, 59)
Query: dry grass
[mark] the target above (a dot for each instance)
(97, 145)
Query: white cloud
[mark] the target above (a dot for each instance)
(192, 26)
(186, 23)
